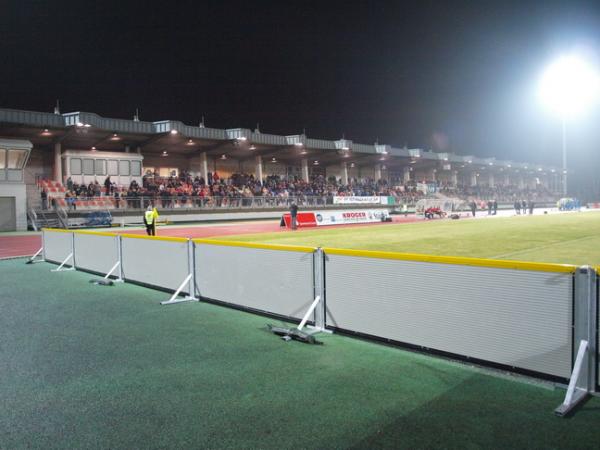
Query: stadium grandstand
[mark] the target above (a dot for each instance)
(56, 168)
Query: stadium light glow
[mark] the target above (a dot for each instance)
(569, 86)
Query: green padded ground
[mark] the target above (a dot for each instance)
(85, 366)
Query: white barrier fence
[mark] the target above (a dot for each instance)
(276, 280)
(525, 316)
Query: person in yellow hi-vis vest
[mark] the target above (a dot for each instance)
(150, 219)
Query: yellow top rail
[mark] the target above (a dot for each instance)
(456, 260)
(416, 257)
(289, 248)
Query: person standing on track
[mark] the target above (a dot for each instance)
(150, 218)
(294, 215)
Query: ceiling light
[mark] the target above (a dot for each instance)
(252, 147)
(174, 131)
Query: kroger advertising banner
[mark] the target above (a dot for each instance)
(354, 200)
(324, 218)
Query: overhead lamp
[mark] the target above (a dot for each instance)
(223, 156)
(164, 153)
(351, 164)
(190, 142)
(252, 147)
(79, 124)
(242, 138)
(298, 144)
(93, 149)
(174, 131)
(316, 163)
(46, 132)
(273, 160)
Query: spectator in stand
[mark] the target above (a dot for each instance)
(107, 185)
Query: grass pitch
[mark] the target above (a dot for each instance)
(572, 238)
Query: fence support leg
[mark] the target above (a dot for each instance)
(33, 259)
(575, 395)
(187, 298)
(583, 376)
(107, 276)
(60, 268)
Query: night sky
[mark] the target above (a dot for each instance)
(436, 75)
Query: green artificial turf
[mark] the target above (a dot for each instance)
(558, 238)
(85, 366)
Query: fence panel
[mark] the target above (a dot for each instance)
(518, 318)
(96, 251)
(57, 245)
(158, 261)
(273, 279)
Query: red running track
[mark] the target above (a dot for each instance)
(26, 245)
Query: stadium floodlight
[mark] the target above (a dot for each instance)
(569, 87)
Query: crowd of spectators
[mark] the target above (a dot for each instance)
(244, 190)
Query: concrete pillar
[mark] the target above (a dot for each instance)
(127, 149)
(491, 180)
(521, 182)
(473, 179)
(377, 172)
(204, 167)
(406, 175)
(258, 174)
(506, 179)
(454, 178)
(344, 173)
(305, 170)
(139, 150)
(57, 173)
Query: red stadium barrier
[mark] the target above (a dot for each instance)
(324, 218)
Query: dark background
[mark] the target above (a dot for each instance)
(442, 75)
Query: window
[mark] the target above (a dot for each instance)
(88, 167)
(100, 166)
(113, 167)
(136, 168)
(123, 167)
(75, 166)
(16, 159)
(2, 158)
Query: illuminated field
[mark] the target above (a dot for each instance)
(572, 238)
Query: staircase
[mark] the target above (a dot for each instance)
(47, 218)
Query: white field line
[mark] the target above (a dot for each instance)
(541, 247)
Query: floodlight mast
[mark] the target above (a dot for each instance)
(568, 87)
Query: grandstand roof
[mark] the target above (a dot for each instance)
(81, 130)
